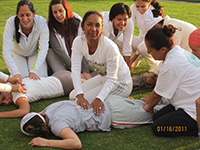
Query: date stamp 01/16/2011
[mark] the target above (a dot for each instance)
(171, 128)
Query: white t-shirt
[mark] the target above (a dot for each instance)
(179, 80)
(47, 87)
(127, 33)
(107, 60)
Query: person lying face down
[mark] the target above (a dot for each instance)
(65, 118)
(58, 84)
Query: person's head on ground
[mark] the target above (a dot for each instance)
(92, 25)
(34, 124)
(6, 98)
(159, 41)
(119, 15)
(194, 42)
(25, 17)
(143, 5)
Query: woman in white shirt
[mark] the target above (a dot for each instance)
(138, 9)
(103, 55)
(25, 43)
(178, 81)
(118, 26)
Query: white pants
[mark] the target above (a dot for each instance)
(24, 65)
(140, 49)
(93, 86)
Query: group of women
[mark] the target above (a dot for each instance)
(96, 51)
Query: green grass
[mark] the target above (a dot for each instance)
(140, 138)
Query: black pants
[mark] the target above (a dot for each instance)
(171, 122)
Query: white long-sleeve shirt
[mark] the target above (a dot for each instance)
(136, 16)
(36, 42)
(107, 60)
(4, 87)
(108, 31)
(181, 36)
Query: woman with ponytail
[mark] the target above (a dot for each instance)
(25, 43)
(139, 9)
(64, 119)
(178, 81)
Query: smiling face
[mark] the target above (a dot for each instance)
(26, 16)
(6, 98)
(59, 12)
(93, 27)
(120, 22)
(142, 6)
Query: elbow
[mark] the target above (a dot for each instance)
(78, 145)
(25, 112)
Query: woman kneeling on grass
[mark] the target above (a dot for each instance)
(102, 54)
(177, 81)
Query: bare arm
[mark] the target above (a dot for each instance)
(70, 141)
(23, 109)
(151, 101)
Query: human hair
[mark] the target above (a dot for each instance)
(156, 5)
(157, 13)
(17, 21)
(119, 9)
(36, 126)
(71, 23)
(88, 13)
(161, 37)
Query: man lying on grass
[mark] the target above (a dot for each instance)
(58, 84)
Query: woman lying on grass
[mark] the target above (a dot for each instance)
(65, 118)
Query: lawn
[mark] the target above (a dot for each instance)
(139, 138)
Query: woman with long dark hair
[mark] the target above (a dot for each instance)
(25, 43)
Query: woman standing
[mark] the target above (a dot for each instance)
(119, 28)
(25, 43)
(103, 55)
(178, 81)
(64, 26)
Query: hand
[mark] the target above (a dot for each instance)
(81, 101)
(15, 79)
(33, 76)
(85, 75)
(38, 141)
(18, 88)
(146, 107)
(98, 106)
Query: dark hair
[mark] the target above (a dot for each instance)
(156, 5)
(161, 37)
(87, 14)
(37, 127)
(21, 3)
(157, 13)
(71, 23)
(119, 8)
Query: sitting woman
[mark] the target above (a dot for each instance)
(194, 44)
(118, 26)
(103, 55)
(178, 81)
(65, 118)
(64, 26)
